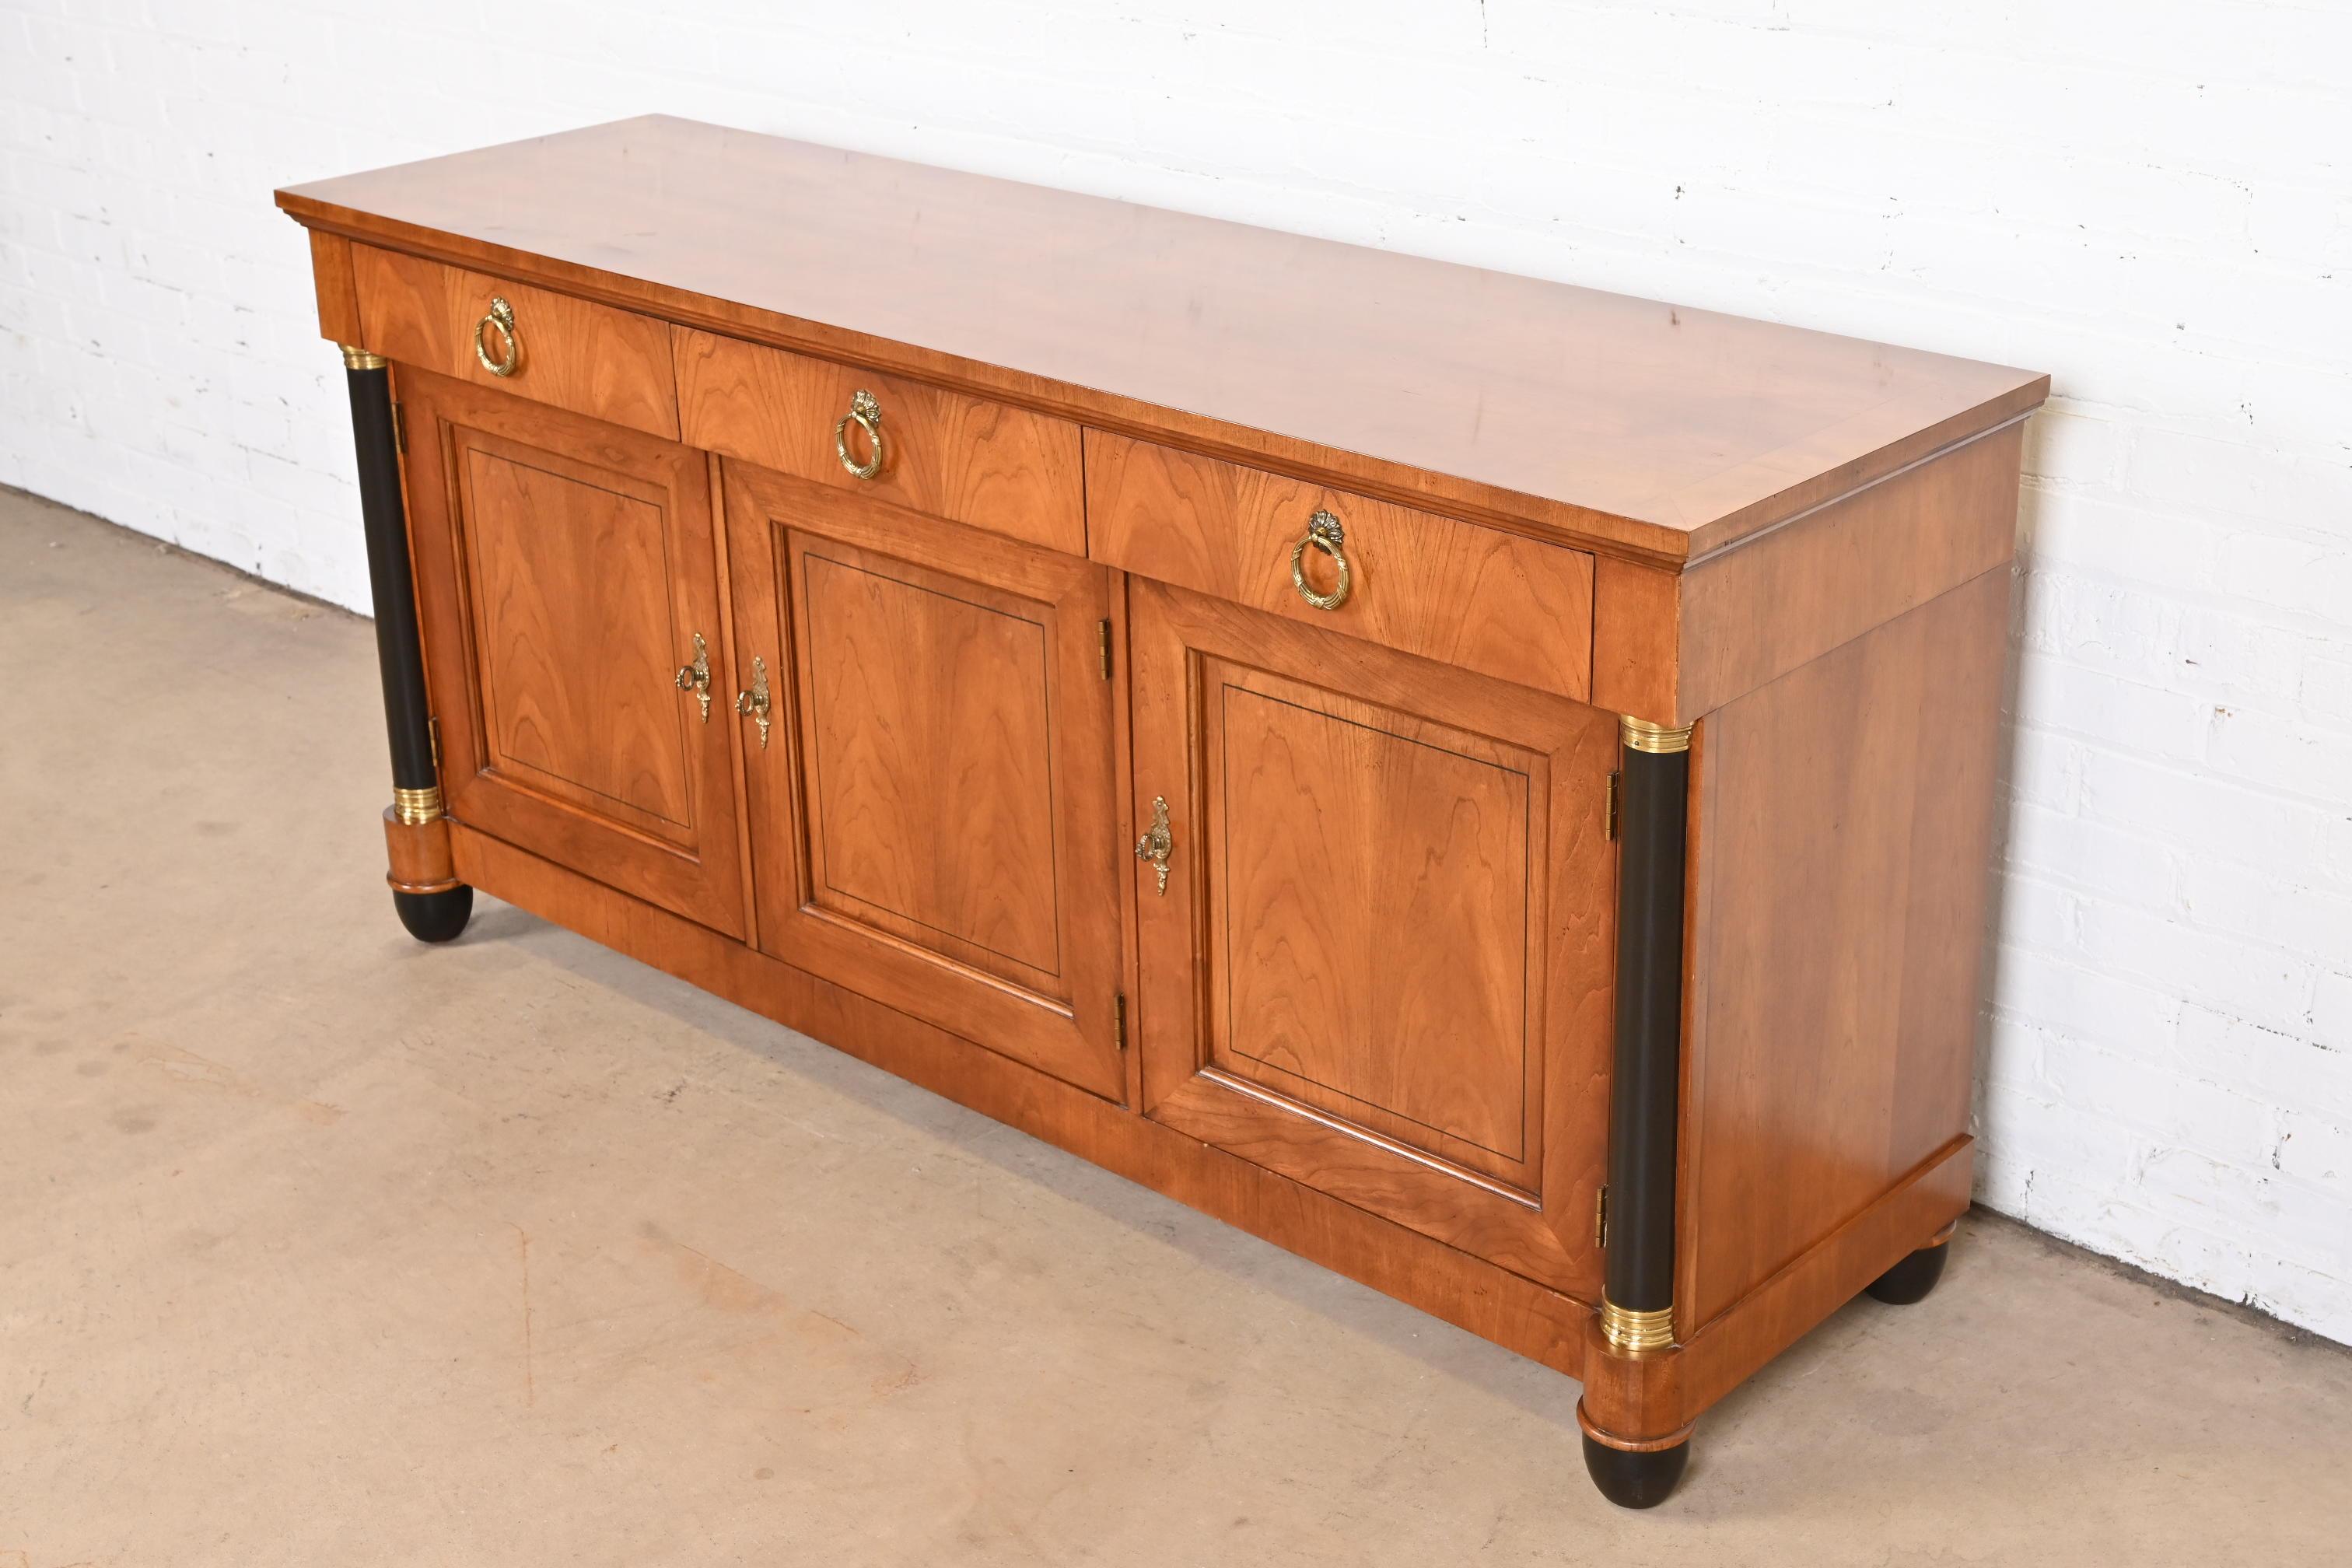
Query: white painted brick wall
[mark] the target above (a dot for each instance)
(2150, 200)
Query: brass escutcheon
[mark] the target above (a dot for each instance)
(1156, 846)
(755, 703)
(695, 676)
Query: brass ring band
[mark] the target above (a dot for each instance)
(416, 807)
(1659, 739)
(502, 317)
(359, 359)
(1634, 1332)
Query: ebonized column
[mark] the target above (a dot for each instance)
(437, 908)
(1637, 1303)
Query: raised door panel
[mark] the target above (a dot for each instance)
(1380, 963)
(565, 568)
(933, 821)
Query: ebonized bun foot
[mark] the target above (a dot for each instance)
(1635, 1480)
(437, 917)
(1911, 1279)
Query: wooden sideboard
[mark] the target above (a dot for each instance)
(1484, 784)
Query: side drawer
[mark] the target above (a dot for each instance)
(591, 359)
(988, 464)
(1473, 597)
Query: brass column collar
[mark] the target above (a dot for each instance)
(1634, 1332)
(1640, 735)
(416, 807)
(359, 359)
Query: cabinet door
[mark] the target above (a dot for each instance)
(933, 817)
(565, 568)
(1380, 963)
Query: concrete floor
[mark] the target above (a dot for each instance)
(319, 1246)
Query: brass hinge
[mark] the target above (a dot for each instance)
(1612, 829)
(1600, 1216)
(1119, 1020)
(1102, 630)
(399, 430)
(433, 734)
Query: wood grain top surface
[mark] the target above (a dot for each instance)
(1657, 429)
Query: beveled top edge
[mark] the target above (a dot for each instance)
(1649, 429)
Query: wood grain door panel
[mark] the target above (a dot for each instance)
(1382, 964)
(933, 822)
(1331, 810)
(564, 566)
(930, 787)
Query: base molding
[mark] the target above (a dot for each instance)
(1469, 1292)
(1636, 1403)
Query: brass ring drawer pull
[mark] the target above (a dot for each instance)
(1324, 532)
(866, 411)
(501, 316)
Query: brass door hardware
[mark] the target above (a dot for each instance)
(1102, 643)
(695, 676)
(865, 411)
(754, 704)
(1324, 533)
(502, 317)
(1119, 1020)
(1159, 843)
(1609, 810)
(1600, 1216)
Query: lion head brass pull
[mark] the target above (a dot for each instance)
(695, 676)
(865, 411)
(1159, 843)
(1324, 532)
(754, 704)
(501, 316)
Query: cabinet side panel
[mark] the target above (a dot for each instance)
(1849, 811)
(1765, 608)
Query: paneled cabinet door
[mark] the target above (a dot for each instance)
(1380, 962)
(568, 583)
(933, 817)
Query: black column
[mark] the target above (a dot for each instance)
(407, 713)
(1645, 1102)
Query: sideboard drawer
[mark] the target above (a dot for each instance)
(550, 348)
(989, 465)
(1466, 596)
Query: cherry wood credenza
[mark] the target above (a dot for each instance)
(1484, 784)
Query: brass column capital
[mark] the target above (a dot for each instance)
(356, 358)
(1660, 740)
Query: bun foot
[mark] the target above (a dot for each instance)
(1634, 1479)
(1911, 1279)
(436, 916)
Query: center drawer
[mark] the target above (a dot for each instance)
(987, 465)
(1451, 591)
